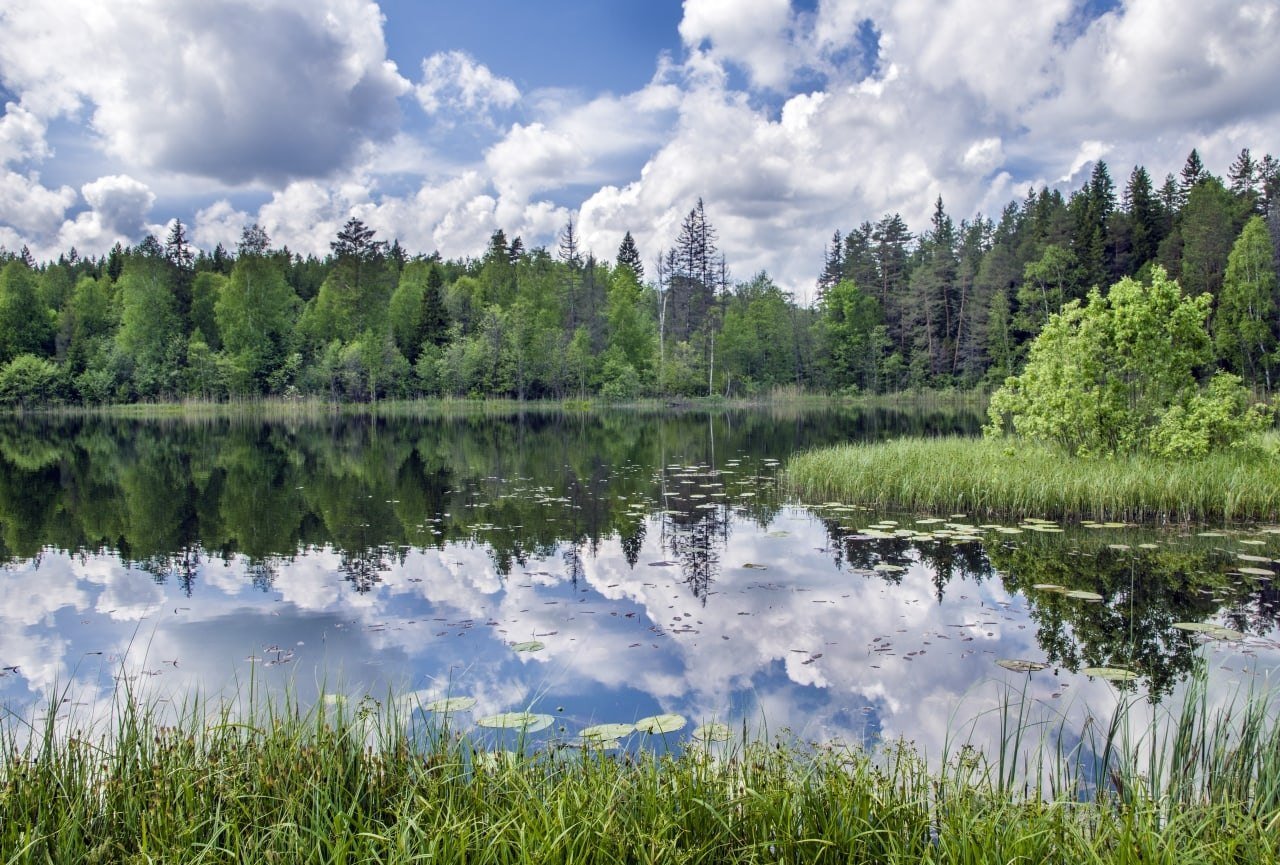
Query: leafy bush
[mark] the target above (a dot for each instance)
(28, 380)
(1119, 374)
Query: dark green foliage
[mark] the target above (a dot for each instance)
(629, 256)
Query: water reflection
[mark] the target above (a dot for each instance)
(652, 557)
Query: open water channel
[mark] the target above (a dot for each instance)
(594, 568)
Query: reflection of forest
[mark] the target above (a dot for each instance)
(165, 494)
(1147, 584)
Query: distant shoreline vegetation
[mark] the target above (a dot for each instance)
(944, 306)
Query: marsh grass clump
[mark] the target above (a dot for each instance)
(328, 784)
(1016, 477)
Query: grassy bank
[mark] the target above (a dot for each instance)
(1011, 478)
(313, 406)
(314, 786)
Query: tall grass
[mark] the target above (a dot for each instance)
(1020, 478)
(330, 784)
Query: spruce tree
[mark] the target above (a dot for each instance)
(629, 256)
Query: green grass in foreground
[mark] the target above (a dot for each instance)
(1010, 477)
(287, 786)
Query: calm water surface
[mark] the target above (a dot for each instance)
(652, 562)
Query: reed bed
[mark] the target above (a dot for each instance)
(1014, 478)
(283, 784)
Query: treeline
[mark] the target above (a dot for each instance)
(954, 305)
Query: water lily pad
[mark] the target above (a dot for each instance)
(1247, 557)
(450, 704)
(661, 723)
(1111, 674)
(527, 722)
(713, 732)
(1257, 572)
(778, 534)
(1049, 587)
(1020, 666)
(528, 646)
(755, 567)
(1082, 595)
(885, 568)
(607, 732)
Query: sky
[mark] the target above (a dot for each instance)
(438, 123)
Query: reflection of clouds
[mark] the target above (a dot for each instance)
(798, 645)
(32, 592)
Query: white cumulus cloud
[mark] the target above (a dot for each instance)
(453, 81)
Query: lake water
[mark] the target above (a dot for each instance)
(595, 568)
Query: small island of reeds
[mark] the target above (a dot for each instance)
(1006, 477)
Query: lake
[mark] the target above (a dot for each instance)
(594, 567)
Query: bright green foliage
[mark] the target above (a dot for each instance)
(25, 323)
(1119, 375)
(1244, 327)
(1048, 283)
(757, 342)
(854, 336)
(254, 313)
(85, 323)
(149, 338)
(206, 288)
(29, 381)
(631, 327)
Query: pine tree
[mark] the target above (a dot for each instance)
(629, 256)
(1243, 177)
(176, 249)
(1193, 173)
(1144, 217)
(832, 265)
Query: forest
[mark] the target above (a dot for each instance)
(944, 306)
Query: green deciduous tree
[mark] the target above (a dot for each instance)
(149, 340)
(26, 325)
(1245, 324)
(255, 315)
(1119, 374)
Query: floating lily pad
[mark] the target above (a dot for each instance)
(1194, 626)
(1257, 572)
(1111, 674)
(1218, 632)
(778, 534)
(450, 704)
(1082, 595)
(1020, 666)
(527, 722)
(1247, 557)
(713, 732)
(528, 646)
(661, 723)
(1049, 587)
(607, 732)
(886, 568)
(755, 567)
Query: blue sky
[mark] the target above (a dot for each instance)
(438, 123)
